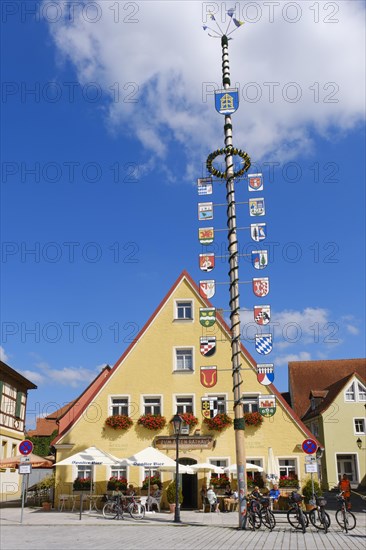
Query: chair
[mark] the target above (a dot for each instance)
(62, 501)
(211, 505)
(153, 500)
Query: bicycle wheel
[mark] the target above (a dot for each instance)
(293, 517)
(109, 510)
(320, 519)
(136, 510)
(303, 519)
(346, 520)
(254, 520)
(268, 519)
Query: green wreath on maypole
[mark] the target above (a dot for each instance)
(233, 151)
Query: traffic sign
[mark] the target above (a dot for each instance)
(25, 469)
(309, 446)
(309, 459)
(311, 468)
(25, 447)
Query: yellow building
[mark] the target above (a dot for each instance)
(13, 400)
(161, 373)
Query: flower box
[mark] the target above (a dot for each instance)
(154, 480)
(119, 422)
(82, 484)
(253, 419)
(219, 422)
(117, 484)
(152, 421)
(219, 480)
(189, 419)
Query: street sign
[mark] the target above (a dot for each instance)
(310, 458)
(25, 469)
(25, 447)
(311, 468)
(309, 446)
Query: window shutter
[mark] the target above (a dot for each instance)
(18, 403)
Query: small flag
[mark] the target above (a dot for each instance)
(260, 286)
(207, 316)
(255, 182)
(267, 405)
(262, 315)
(208, 376)
(265, 374)
(206, 235)
(238, 23)
(204, 186)
(258, 231)
(263, 343)
(207, 261)
(207, 345)
(256, 207)
(205, 211)
(231, 12)
(207, 289)
(260, 259)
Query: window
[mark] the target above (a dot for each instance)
(184, 310)
(359, 426)
(257, 463)
(120, 471)
(287, 467)
(220, 462)
(184, 405)
(152, 405)
(119, 405)
(84, 472)
(314, 428)
(355, 392)
(221, 402)
(184, 359)
(151, 472)
(250, 403)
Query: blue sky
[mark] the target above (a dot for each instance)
(99, 165)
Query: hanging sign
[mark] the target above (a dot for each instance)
(204, 186)
(258, 231)
(206, 235)
(207, 261)
(255, 182)
(265, 374)
(262, 315)
(207, 288)
(263, 343)
(260, 259)
(209, 407)
(256, 207)
(207, 345)
(205, 211)
(227, 101)
(260, 286)
(267, 405)
(208, 376)
(207, 316)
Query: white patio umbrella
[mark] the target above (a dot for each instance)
(248, 466)
(182, 469)
(206, 467)
(152, 459)
(273, 472)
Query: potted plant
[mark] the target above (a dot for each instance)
(219, 422)
(117, 484)
(154, 480)
(82, 484)
(119, 422)
(170, 495)
(46, 487)
(152, 421)
(253, 419)
(307, 493)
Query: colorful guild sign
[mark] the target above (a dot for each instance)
(209, 407)
(260, 259)
(262, 314)
(256, 207)
(260, 286)
(207, 316)
(258, 231)
(265, 374)
(206, 235)
(207, 289)
(267, 405)
(227, 101)
(207, 345)
(255, 182)
(205, 211)
(208, 376)
(263, 343)
(204, 186)
(207, 261)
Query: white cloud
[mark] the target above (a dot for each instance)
(66, 376)
(164, 61)
(3, 356)
(283, 360)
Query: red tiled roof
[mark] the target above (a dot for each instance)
(44, 428)
(305, 376)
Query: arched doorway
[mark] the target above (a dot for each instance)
(189, 486)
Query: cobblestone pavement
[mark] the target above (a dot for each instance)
(54, 530)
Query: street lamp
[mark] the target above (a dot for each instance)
(177, 425)
(359, 443)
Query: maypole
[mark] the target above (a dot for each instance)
(226, 103)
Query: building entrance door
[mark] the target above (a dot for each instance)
(189, 487)
(346, 464)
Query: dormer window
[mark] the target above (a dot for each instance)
(355, 392)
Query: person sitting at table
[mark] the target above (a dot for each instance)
(154, 497)
(212, 499)
(230, 501)
(256, 493)
(274, 494)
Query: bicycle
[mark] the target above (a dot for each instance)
(253, 514)
(318, 516)
(115, 507)
(266, 514)
(295, 516)
(345, 519)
